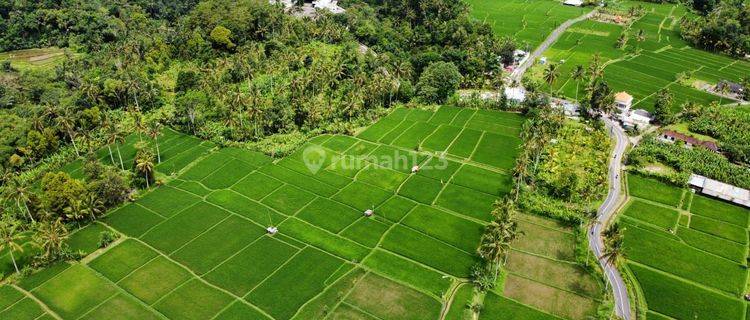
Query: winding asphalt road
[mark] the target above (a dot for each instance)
(517, 74)
(608, 210)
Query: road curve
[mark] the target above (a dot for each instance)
(607, 211)
(517, 74)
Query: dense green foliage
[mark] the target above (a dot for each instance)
(696, 160)
(730, 125)
(725, 27)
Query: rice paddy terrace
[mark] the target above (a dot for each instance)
(660, 59)
(527, 21)
(687, 252)
(198, 248)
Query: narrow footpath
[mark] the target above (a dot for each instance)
(517, 74)
(607, 211)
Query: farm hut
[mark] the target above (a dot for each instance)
(672, 136)
(272, 230)
(623, 100)
(575, 3)
(369, 213)
(414, 169)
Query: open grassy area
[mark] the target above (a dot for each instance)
(197, 247)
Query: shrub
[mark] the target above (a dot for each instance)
(106, 238)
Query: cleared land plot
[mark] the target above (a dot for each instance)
(373, 292)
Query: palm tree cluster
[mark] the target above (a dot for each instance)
(538, 130)
(498, 235)
(48, 236)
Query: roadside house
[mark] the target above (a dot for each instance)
(690, 142)
(623, 100)
(635, 118)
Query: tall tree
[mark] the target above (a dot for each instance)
(10, 238)
(578, 74)
(115, 137)
(663, 107)
(50, 237)
(550, 75)
(66, 121)
(154, 130)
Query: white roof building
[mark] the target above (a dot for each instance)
(515, 94)
(623, 100)
(575, 3)
(721, 190)
(632, 118)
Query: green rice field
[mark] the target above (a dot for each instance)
(641, 68)
(197, 247)
(688, 254)
(528, 21)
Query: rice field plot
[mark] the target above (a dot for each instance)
(542, 273)
(198, 247)
(645, 66)
(663, 217)
(691, 269)
(654, 190)
(529, 21)
(34, 59)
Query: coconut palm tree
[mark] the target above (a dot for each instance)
(145, 165)
(50, 237)
(493, 246)
(21, 194)
(613, 243)
(92, 205)
(613, 250)
(66, 121)
(9, 239)
(115, 137)
(578, 74)
(74, 211)
(138, 122)
(550, 75)
(154, 130)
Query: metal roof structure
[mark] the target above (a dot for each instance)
(720, 190)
